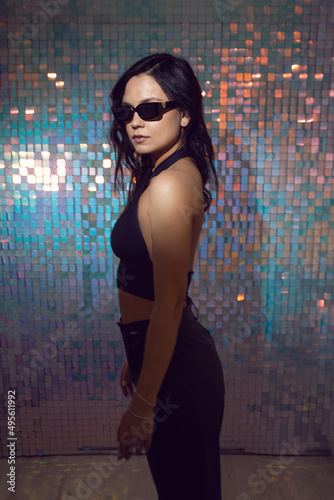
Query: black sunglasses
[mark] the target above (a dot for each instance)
(146, 111)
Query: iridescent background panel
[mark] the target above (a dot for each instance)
(264, 276)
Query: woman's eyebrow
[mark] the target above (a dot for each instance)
(149, 99)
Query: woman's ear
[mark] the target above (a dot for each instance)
(185, 119)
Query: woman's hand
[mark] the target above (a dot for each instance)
(134, 434)
(126, 383)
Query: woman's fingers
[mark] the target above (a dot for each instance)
(126, 381)
(134, 434)
(125, 446)
(127, 388)
(133, 446)
(130, 387)
(124, 387)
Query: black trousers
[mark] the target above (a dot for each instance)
(184, 457)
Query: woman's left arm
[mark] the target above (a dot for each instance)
(171, 233)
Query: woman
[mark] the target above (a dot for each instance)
(172, 372)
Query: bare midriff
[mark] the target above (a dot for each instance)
(133, 308)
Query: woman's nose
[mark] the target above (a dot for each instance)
(136, 120)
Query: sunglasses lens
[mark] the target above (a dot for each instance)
(148, 111)
(123, 113)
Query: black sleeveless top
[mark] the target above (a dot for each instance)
(135, 270)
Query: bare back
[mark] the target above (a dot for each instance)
(177, 194)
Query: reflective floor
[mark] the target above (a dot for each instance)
(101, 477)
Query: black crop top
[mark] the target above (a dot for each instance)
(135, 270)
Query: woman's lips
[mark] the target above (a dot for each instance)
(139, 138)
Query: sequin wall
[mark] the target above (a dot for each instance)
(263, 279)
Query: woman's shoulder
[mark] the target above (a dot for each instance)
(183, 175)
(175, 188)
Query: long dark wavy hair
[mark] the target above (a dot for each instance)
(178, 81)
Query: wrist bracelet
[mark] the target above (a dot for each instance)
(141, 418)
(141, 397)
